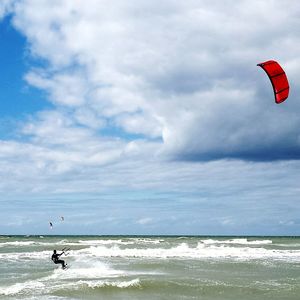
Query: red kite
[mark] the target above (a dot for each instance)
(278, 79)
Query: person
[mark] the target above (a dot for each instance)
(56, 260)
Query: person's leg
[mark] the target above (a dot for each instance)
(62, 262)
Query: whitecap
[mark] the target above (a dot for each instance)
(17, 288)
(242, 241)
(201, 251)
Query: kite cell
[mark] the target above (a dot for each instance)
(278, 79)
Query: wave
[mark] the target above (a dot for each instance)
(149, 241)
(79, 243)
(87, 269)
(235, 248)
(201, 251)
(104, 283)
(41, 288)
(17, 288)
(130, 241)
(87, 273)
(17, 243)
(105, 242)
(17, 256)
(237, 241)
(182, 250)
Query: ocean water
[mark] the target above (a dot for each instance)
(150, 268)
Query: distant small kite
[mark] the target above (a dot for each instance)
(51, 225)
(62, 219)
(278, 79)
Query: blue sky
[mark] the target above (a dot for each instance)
(148, 118)
(18, 100)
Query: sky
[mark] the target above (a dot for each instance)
(148, 117)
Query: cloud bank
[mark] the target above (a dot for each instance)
(181, 72)
(157, 95)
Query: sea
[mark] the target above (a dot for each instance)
(150, 267)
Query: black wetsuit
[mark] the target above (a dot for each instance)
(56, 260)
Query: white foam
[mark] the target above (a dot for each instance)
(102, 283)
(206, 248)
(17, 256)
(149, 241)
(17, 243)
(39, 286)
(98, 275)
(105, 242)
(36, 243)
(236, 241)
(201, 251)
(130, 241)
(80, 270)
(93, 284)
(21, 287)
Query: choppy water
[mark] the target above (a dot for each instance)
(151, 268)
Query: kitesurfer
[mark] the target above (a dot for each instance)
(56, 260)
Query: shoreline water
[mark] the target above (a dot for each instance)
(150, 267)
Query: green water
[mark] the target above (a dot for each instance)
(151, 268)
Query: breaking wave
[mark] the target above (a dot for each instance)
(201, 251)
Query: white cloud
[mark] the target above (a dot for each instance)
(64, 89)
(181, 74)
(185, 72)
(287, 223)
(226, 221)
(144, 221)
(5, 7)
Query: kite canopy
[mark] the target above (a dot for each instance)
(278, 79)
